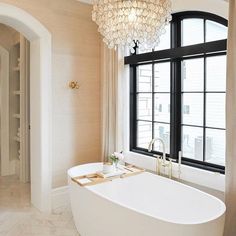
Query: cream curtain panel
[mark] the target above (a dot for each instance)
(230, 226)
(112, 100)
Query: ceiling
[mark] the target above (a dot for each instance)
(90, 1)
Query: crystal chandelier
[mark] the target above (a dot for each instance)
(131, 22)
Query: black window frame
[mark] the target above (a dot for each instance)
(175, 55)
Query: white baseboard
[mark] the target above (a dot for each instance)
(60, 198)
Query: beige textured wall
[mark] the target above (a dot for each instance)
(8, 36)
(76, 56)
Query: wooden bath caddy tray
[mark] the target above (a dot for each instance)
(98, 178)
(131, 170)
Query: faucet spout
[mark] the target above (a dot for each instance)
(163, 147)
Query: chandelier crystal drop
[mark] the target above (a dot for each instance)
(131, 22)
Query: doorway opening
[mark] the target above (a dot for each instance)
(40, 98)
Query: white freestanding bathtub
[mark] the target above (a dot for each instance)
(143, 205)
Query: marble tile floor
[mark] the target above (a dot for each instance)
(19, 218)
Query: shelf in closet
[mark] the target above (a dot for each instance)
(17, 92)
(17, 139)
(17, 44)
(16, 116)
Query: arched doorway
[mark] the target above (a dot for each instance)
(41, 101)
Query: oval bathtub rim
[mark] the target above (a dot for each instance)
(221, 211)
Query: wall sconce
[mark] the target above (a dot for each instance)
(74, 85)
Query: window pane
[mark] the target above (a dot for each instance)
(144, 106)
(215, 110)
(215, 31)
(162, 107)
(162, 77)
(144, 134)
(144, 78)
(215, 146)
(192, 109)
(192, 142)
(216, 73)
(164, 40)
(193, 75)
(162, 131)
(193, 31)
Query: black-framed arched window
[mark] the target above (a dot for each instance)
(177, 91)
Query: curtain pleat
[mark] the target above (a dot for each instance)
(230, 197)
(109, 101)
